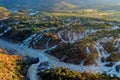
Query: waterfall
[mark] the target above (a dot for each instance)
(5, 31)
(102, 53)
(69, 37)
(88, 53)
(47, 43)
(117, 44)
(40, 36)
(35, 37)
(74, 36)
(98, 61)
(28, 40)
(115, 70)
(60, 37)
(88, 50)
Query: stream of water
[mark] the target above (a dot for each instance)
(24, 50)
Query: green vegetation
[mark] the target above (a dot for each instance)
(22, 23)
(89, 13)
(67, 74)
(76, 33)
(77, 21)
(114, 57)
(69, 24)
(76, 53)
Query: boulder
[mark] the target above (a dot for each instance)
(42, 67)
(31, 60)
(117, 68)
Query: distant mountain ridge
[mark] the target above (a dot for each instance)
(52, 4)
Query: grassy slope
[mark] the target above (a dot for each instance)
(112, 16)
(66, 74)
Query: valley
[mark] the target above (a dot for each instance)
(84, 42)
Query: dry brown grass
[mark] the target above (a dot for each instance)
(9, 66)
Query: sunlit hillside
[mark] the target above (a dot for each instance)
(10, 66)
(4, 13)
(60, 40)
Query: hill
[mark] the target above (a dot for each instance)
(4, 13)
(60, 4)
(10, 66)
